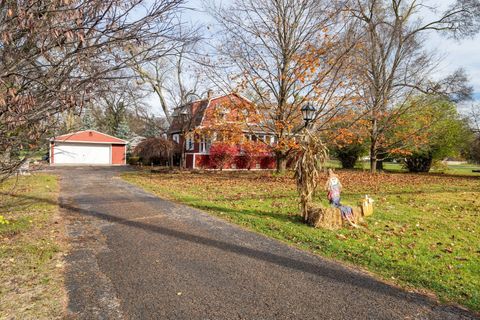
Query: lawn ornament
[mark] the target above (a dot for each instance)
(331, 218)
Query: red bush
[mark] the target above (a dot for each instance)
(222, 154)
(251, 151)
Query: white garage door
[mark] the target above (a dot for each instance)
(81, 153)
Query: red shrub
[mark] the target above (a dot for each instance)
(202, 161)
(222, 154)
(251, 151)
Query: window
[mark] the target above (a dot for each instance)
(272, 140)
(176, 138)
(189, 144)
(205, 145)
(245, 115)
(223, 111)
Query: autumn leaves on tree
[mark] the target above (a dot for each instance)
(362, 63)
(59, 56)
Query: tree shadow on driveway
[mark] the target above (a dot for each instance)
(323, 268)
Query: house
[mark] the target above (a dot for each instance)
(134, 141)
(196, 126)
(88, 147)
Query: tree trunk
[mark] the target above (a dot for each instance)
(170, 159)
(183, 160)
(373, 144)
(281, 163)
(380, 156)
(373, 158)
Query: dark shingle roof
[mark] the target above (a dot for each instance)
(195, 111)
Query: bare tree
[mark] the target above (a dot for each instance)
(284, 54)
(173, 78)
(474, 118)
(54, 56)
(393, 65)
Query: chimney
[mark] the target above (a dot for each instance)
(209, 94)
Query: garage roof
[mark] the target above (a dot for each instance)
(88, 136)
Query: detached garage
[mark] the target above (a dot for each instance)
(87, 147)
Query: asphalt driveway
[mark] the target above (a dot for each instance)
(135, 256)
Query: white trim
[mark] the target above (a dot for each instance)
(232, 93)
(82, 141)
(73, 133)
(50, 145)
(111, 155)
(193, 163)
(216, 97)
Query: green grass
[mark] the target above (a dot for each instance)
(460, 169)
(464, 169)
(424, 232)
(365, 165)
(31, 249)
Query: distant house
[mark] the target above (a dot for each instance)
(202, 116)
(134, 141)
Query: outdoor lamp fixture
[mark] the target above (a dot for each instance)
(308, 112)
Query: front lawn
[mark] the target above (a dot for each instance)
(31, 249)
(424, 232)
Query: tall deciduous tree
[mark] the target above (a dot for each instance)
(393, 65)
(434, 132)
(55, 55)
(173, 78)
(284, 54)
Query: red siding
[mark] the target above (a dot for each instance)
(90, 136)
(189, 161)
(118, 154)
(202, 161)
(232, 102)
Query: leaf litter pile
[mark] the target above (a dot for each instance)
(424, 233)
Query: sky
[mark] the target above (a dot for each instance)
(455, 54)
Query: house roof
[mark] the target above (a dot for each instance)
(195, 109)
(198, 110)
(88, 136)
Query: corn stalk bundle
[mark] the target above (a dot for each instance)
(312, 156)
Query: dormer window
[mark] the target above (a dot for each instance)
(223, 112)
(176, 138)
(245, 114)
(272, 140)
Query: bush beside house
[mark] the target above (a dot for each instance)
(157, 151)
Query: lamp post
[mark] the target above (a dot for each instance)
(309, 162)
(308, 112)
